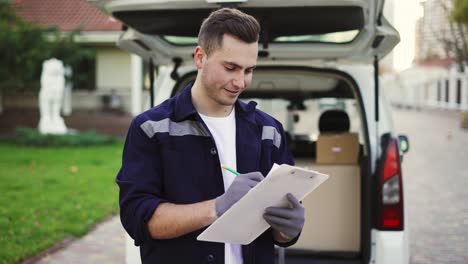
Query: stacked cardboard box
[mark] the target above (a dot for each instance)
(333, 211)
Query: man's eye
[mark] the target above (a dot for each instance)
(229, 69)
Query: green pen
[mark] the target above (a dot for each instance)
(230, 170)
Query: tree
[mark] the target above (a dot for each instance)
(451, 34)
(460, 12)
(458, 23)
(458, 20)
(25, 46)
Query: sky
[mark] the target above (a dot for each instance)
(406, 13)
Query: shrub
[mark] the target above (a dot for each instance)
(32, 137)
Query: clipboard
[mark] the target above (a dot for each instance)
(244, 222)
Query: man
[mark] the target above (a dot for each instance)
(171, 182)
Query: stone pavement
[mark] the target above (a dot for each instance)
(104, 245)
(435, 176)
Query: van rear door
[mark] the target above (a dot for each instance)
(352, 30)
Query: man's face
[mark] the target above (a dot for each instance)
(227, 71)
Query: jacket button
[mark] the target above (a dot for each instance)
(210, 258)
(213, 151)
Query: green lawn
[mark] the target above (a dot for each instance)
(48, 194)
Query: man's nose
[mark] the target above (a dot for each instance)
(239, 80)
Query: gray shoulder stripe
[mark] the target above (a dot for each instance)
(183, 128)
(269, 132)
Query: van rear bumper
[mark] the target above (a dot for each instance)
(389, 247)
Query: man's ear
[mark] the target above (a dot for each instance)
(199, 57)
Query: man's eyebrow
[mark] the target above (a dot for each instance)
(233, 64)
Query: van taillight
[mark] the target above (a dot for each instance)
(391, 192)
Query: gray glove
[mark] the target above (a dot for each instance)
(239, 187)
(287, 220)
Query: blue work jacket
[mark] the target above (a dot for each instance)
(170, 156)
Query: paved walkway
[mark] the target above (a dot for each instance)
(435, 173)
(105, 244)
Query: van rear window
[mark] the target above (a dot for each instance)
(280, 24)
(334, 37)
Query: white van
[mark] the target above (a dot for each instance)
(317, 74)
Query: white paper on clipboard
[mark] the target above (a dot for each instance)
(244, 222)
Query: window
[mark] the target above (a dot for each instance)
(341, 37)
(84, 73)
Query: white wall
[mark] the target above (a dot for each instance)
(423, 87)
(113, 69)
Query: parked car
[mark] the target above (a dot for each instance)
(317, 74)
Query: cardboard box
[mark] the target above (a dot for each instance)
(332, 211)
(338, 148)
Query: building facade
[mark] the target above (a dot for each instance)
(112, 72)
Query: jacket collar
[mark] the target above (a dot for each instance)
(184, 107)
(183, 104)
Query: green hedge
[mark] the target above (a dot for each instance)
(32, 137)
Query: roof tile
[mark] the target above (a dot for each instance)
(67, 15)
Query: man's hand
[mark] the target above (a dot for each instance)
(239, 187)
(286, 220)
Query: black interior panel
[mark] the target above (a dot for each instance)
(279, 21)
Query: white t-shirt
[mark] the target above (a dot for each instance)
(223, 130)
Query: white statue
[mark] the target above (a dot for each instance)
(51, 97)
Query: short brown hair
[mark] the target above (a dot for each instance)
(227, 21)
